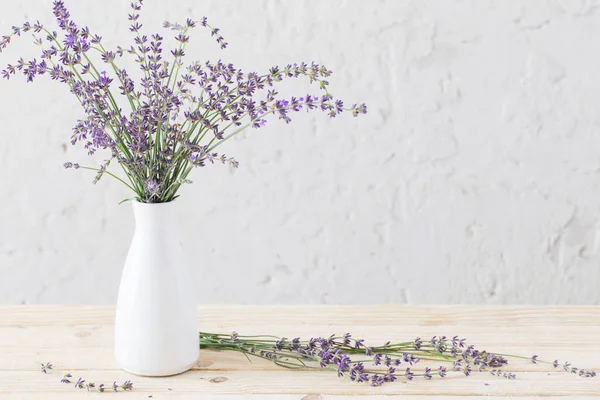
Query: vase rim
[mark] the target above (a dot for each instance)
(138, 203)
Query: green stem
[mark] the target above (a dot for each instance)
(111, 174)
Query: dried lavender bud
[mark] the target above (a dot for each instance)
(467, 370)
(417, 343)
(427, 373)
(45, 367)
(79, 383)
(377, 359)
(65, 378)
(127, 385)
(534, 359)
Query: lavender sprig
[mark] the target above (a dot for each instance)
(46, 367)
(174, 122)
(89, 386)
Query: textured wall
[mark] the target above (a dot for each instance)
(474, 178)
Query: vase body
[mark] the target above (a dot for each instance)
(156, 326)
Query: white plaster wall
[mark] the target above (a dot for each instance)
(474, 178)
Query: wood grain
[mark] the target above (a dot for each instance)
(79, 339)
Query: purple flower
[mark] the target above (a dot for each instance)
(108, 57)
(69, 40)
(135, 27)
(377, 359)
(152, 188)
(357, 110)
(45, 367)
(79, 383)
(427, 374)
(104, 80)
(417, 343)
(259, 123)
(467, 370)
(65, 378)
(442, 371)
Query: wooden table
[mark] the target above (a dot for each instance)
(79, 340)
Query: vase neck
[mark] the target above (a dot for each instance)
(154, 216)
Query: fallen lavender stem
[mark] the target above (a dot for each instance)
(89, 386)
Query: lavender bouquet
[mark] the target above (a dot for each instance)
(360, 362)
(375, 365)
(177, 115)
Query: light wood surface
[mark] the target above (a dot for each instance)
(79, 340)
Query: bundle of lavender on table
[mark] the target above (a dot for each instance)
(358, 361)
(176, 116)
(376, 365)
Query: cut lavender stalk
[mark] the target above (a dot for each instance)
(45, 367)
(177, 114)
(88, 386)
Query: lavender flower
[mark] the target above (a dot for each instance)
(46, 367)
(152, 189)
(176, 114)
(427, 374)
(417, 343)
(66, 379)
(534, 359)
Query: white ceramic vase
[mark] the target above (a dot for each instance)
(156, 327)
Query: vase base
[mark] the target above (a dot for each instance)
(168, 372)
